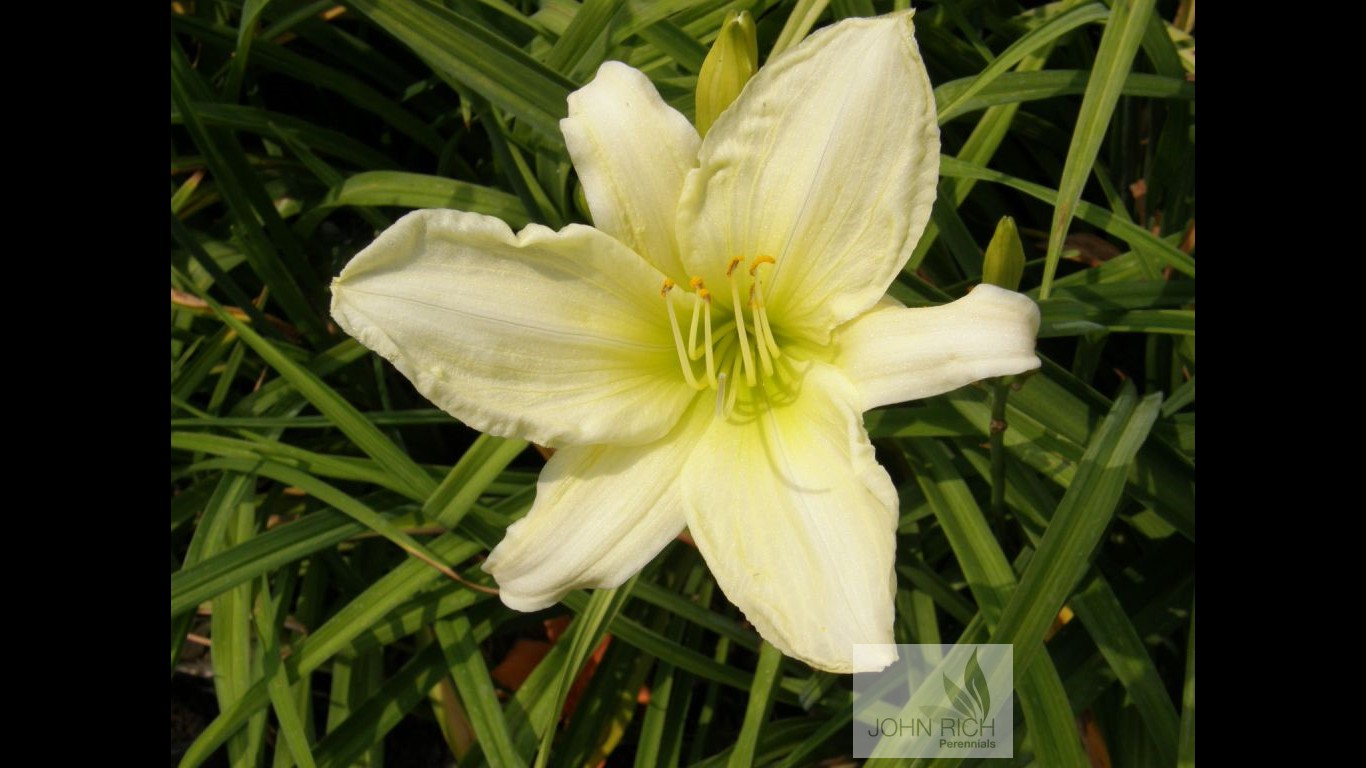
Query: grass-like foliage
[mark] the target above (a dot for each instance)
(327, 523)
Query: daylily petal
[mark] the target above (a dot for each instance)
(601, 514)
(797, 520)
(556, 337)
(828, 163)
(893, 354)
(631, 151)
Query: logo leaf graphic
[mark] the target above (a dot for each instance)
(958, 697)
(976, 683)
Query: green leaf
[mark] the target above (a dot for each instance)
(1182, 397)
(405, 417)
(760, 705)
(471, 676)
(1053, 417)
(1108, 624)
(798, 25)
(542, 696)
(477, 58)
(1037, 38)
(675, 44)
(354, 679)
(359, 616)
(287, 713)
(313, 73)
(323, 465)
(690, 611)
(583, 46)
(1021, 87)
(367, 725)
(236, 661)
(1186, 748)
(261, 554)
(270, 247)
(246, 32)
(349, 420)
(520, 175)
(346, 504)
(1077, 525)
(606, 709)
(270, 124)
(845, 9)
(648, 641)
(1114, 58)
(415, 191)
(662, 730)
(470, 477)
(1118, 226)
(985, 566)
(992, 581)
(230, 491)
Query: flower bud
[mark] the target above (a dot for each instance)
(732, 61)
(1003, 264)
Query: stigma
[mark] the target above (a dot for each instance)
(737, 347)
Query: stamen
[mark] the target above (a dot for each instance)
(706, 313)
(765, 362)
(760, 342)
(693, 351)
(761, 327)
(700, 294)
(770, 343)
(734, 391)
(781, 373)
(678, 336)
(740, 323)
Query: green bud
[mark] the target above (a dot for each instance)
(732, 61)
(1004, 261)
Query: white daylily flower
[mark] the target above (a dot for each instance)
(703, 357)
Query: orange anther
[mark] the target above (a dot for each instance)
(760, 260)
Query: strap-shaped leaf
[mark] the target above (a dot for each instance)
(478, 58)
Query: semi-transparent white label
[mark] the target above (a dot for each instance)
(934, 701)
